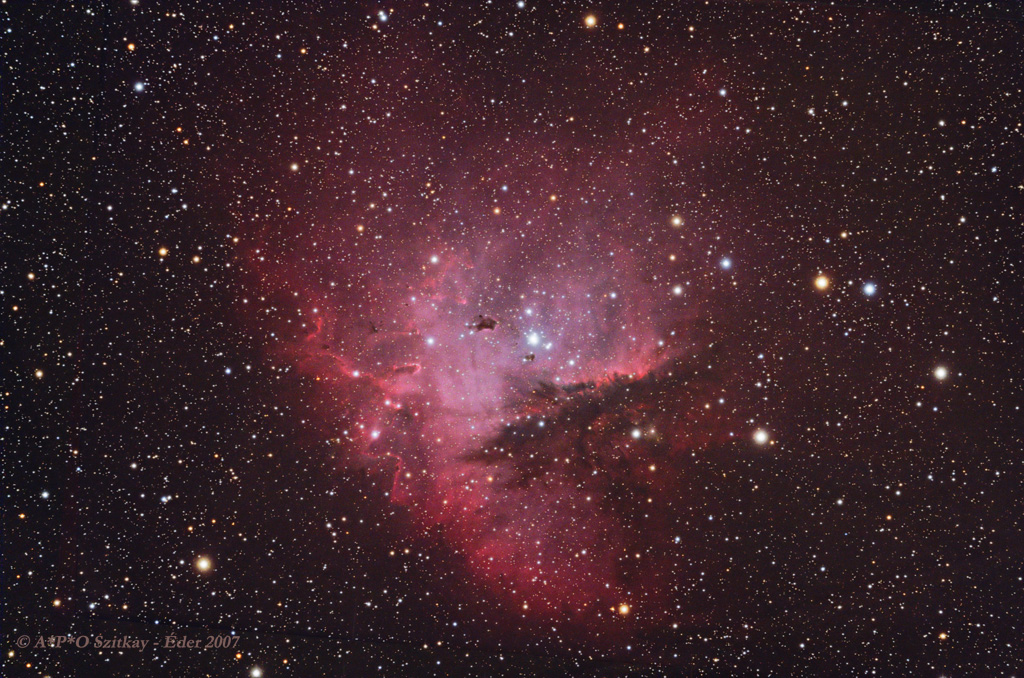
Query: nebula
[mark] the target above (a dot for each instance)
(540, 401)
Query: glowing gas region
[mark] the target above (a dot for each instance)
(539, 398)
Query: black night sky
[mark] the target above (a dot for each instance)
(512, 338)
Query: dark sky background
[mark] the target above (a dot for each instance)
(513, 339)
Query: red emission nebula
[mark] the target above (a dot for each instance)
(533, 370)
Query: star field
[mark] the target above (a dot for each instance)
(514, 338)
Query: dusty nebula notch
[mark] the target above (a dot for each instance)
(537, 382)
